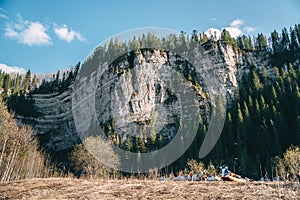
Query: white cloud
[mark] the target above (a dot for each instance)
(36, 34)
(235, 29)
(212, 32)
(66, 34)
(28, 33)
(213, 19)
(249, 29)
(11, 69)
(236, 23)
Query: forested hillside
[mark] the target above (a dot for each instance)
(262, 121)
(20, 155)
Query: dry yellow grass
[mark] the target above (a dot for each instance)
(67, 188)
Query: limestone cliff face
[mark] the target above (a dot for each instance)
(54, 124)
(133, 93)
(230, 64)
(143, 95)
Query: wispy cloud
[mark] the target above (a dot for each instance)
(249, 29)
(235, 29)
(67, 34)
(3, 14)
(213, 19)
(11, 69)
(2, 10)
(28, 32)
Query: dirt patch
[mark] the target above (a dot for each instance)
(67, 188)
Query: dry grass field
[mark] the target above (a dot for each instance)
(67, 188)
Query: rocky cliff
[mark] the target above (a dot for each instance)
(140, 84)
(54, 124)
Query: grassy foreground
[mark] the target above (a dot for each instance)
(68, 188)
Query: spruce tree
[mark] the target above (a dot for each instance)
(27, 81)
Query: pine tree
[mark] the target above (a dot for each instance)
(262, 103)
(111, 49)
(34, 82)
(256, 81)
(261, 43)
(264, 74)
(297, 29)
(183, 44)
(240, 117)
(195, 36)
(256, 104)
(135, 44)
(246, 110)
(250, 101)
(6, 84)
(276, 73)
(57, 76)
(17, 84)
(292, 73)
(275, 42)
(203, 38)
(273, 94)
(294, 44)
(27, 81)
(240, 43)
(225, 36)
(250, 43)
(247, 42)
(285, 40)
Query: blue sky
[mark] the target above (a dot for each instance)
(49, 35)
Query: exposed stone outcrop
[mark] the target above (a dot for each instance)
(136, 92)
(143, 94)
(54, 124)
(230, 64)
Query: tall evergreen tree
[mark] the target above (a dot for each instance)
(261, 42)
(293, 45)
(17, 84)
(275, 42)
(6, 84)
(285, 40)
(27, 81)
(195, 36)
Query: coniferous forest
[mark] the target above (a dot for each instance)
(262, 121)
